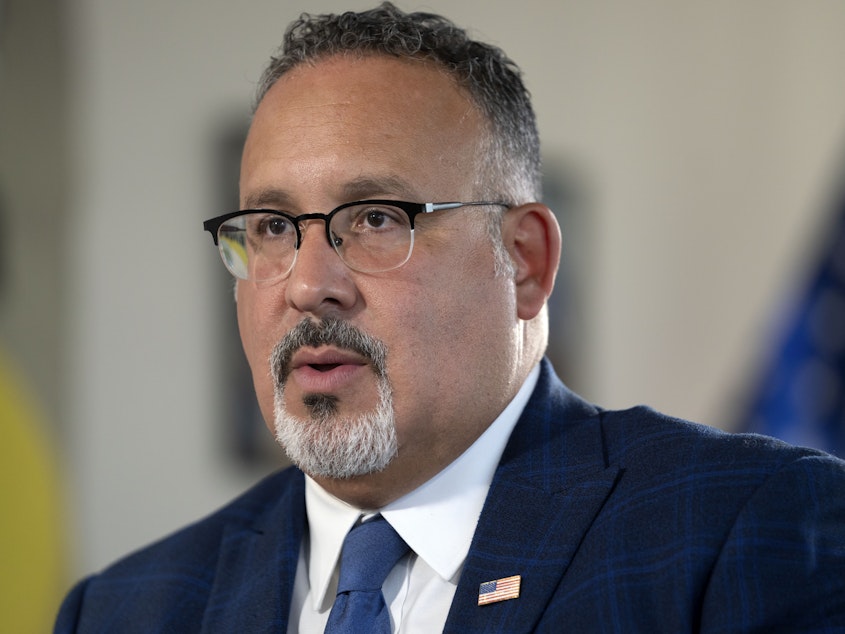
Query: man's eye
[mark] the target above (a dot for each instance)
(277, 226)
(271, 226)
(373, 218)
(376, 219)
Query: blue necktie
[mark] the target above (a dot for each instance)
(370, 551)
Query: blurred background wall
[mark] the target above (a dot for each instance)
(692, 151)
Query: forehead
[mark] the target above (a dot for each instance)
(373, 79)
(369, 117)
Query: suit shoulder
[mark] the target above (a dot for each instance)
(640, 436)
(166, 586)
(200, 540)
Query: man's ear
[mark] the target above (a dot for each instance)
(532, 237)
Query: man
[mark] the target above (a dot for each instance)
(393, 269)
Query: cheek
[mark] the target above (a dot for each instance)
(257, 349)
(430, 333)
(450, 335)
(246, 327)
(258, 323)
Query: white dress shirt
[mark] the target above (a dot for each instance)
(437, 520)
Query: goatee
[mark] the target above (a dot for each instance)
(327, 443)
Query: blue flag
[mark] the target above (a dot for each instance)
(801, 397)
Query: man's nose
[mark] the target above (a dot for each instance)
(319, 281)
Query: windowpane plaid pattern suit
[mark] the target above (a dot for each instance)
(616, 521)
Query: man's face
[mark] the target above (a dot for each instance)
(349, 129)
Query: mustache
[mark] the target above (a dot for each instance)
(329, 331)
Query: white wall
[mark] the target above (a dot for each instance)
(706, 135)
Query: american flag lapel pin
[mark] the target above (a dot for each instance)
(499, 590)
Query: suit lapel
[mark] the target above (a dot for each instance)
(549, 486)
(256, 567)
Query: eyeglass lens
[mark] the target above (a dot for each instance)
(369, 238)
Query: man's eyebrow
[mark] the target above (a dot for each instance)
(374, 186)
(269, 198)
(358, 189)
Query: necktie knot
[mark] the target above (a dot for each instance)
(370, 551)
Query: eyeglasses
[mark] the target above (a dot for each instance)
(370, 236)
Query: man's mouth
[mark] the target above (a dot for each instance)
(331, 349)
(324, 367)
(324, 359)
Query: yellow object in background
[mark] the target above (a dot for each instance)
(32, 573)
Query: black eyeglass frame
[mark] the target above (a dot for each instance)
(412, 210)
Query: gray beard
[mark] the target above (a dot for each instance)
(329, 445)
(326, 443)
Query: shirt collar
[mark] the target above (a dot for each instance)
(437, 520)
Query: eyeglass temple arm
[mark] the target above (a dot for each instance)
(431, 207)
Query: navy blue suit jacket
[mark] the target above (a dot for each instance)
(617, 521)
